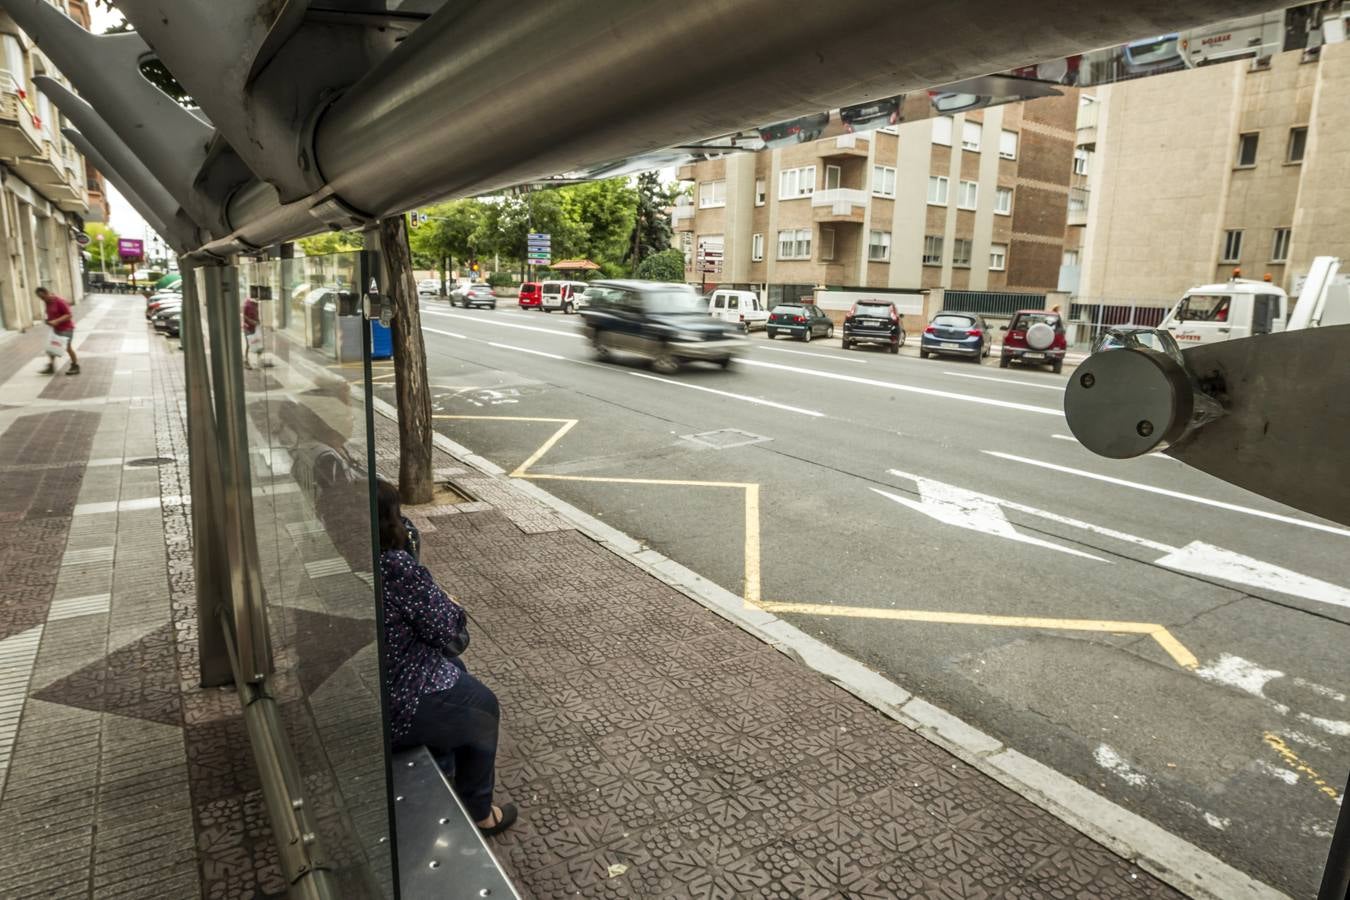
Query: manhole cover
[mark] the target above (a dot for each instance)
(148, 461)
(725, 438)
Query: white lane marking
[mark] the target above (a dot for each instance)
(1199, 558)
(1288, 776)
(747, 399)
(1241, 674)
(1320, 689)
(1046, 387)
(525, 350)
(553, 331)
(1156, 454)
(930, 392)
(976, 512)
(861, 362)
(1114, 763)
(1214, 821)
(1204, 501)
(462, 337)
(1330, 726)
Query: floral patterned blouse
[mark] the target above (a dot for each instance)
(422, 626)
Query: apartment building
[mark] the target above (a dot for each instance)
(974, 201)
(43, 182)
(1190, 175)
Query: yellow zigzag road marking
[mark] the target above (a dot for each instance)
(1159, 633)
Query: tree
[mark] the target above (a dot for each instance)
(450, 232)
(331, 242)
(102, 247)
(652, 227)
(507, 220)
(668, 265)
(603, 212)
(412, 390)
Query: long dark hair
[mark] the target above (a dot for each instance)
(393, 536)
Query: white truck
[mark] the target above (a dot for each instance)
(1243, 308)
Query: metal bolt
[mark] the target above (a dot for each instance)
(485, 892)
(1145, 428)
(443, 820)
(398, 799)
(1087, 379)
(297, 803)
(434, 864)
(308, 837)
(384, 840)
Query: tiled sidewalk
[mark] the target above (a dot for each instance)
(656, 750)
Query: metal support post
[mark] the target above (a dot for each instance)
(1336, 876)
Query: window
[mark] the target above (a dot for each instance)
(794, 243)
(1279, 251)
(932, 250)
(1232, 246)
(937, 190)
(961, 253)
(1070, 258)
(883, 181)
(761, 191)
(832, 178)
(1080, 162)
(712, 193)
(687, 245)
(998, 257)
(1298, 141)
(756, 247)
(942, 130)
(970, 135)
(879, 246)
(827, 243)
(1003, 201)
(13, 61)
(794, 183)
(1247, 149)
(968, 196)
(1007, 144)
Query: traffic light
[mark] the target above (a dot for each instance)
(412, 220)
(475, 267)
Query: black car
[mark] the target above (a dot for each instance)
(173, 326)
(872, 114)
(665, 323)
(956, 334)
(800, 320)
(874, 322)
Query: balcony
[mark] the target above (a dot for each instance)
(846, 145)
(20, 133)
(1078, 206)
(685, 172)
(682, 218)
(1087, 126)
(839, 204)
(45, 170)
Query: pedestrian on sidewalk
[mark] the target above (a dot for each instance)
(434, 700)
(253, 342)
(62, 323)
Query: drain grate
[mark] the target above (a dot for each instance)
(147, 461)
(725, 438)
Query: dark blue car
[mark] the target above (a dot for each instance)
(956, 334)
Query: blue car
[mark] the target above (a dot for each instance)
(956, 334)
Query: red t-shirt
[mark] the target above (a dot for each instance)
(56, 308)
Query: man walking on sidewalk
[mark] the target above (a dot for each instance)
(62, 322)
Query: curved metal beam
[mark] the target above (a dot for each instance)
(147, 213)
(105, 69)
(118, 162)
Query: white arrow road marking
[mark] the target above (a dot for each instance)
(967, 509)
(983, 512)
(1198, 558)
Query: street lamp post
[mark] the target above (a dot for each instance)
(103, 256)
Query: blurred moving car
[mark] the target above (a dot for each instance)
(872, 114)
(530, 295)
(794, 131)
(1138, 337)
(874, 322)
(560, 295)
(665, 323)
(956, 334)
(1034, 337)
(429, 287)
(799, 320)
(475, 295)
(743, 309)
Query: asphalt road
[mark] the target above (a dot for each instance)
(1172, 641)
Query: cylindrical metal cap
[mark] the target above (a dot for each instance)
(1125, 403)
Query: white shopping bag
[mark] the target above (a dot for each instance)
(56, 344)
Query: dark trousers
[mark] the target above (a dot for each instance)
(459, 727)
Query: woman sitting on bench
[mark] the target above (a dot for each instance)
(433, 698)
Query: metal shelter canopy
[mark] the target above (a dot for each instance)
(337, 115)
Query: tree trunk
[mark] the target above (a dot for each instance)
(410, 365)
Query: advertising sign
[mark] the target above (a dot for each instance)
(130, 248)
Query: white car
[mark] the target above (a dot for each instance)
(429, 287)
(740, 308)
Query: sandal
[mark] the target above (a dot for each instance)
(505, 817)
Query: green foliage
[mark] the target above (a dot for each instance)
(452, 231)
(611, 269)
(101, 252)
(603, 214)
(668, 265)
(650, 232)
(331, 242)
(501, 279)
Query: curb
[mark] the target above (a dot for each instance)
(1178, 863)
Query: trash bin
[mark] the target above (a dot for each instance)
(381, 341)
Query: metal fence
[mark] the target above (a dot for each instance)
(1094, 318)
(994, 303)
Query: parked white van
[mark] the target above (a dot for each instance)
(561, 295)
(742, 308)
(1225, 312)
